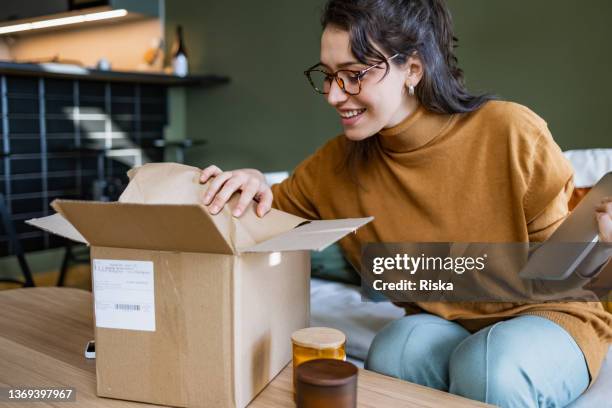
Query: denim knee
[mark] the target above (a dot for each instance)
(480, 369)
(527, 361)
(416, 348)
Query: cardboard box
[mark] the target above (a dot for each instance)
(192, 309)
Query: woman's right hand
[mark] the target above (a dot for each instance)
(223, 184)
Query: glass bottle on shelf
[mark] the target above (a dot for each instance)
(180, 63)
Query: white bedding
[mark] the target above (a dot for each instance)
(339, 305)
(589, 165)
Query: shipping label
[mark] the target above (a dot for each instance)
(124, 294)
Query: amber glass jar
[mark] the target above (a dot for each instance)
(315, 343)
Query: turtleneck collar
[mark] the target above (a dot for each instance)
(414, 132)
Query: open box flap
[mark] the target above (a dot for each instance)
(315, 236)
(58, 225)
(261, 229)
(168, 227)
(172, 183)
(161, 209)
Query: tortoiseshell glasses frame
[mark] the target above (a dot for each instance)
(348, 80)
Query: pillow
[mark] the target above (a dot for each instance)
(330, 264)
(589, 165)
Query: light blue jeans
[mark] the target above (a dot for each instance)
(527, 361)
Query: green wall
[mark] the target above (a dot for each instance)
(268, 116)
(551, 55)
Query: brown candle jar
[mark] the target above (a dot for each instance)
(326, 383)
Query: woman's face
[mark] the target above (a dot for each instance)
(383, 101)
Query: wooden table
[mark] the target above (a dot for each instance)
(43, 332)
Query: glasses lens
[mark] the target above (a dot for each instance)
(319, 81)
(350, 81)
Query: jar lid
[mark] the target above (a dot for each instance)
(326, 372)
(318, 338)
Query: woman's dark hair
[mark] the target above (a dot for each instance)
(405, 26)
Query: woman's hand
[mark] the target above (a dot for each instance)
(603, 212)
(225, 183)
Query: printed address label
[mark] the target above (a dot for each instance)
(124, 294)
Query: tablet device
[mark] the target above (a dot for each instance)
(567, 247)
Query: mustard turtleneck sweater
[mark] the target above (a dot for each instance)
(493, 175)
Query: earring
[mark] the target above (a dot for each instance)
(411, 90)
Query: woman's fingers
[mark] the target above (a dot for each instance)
(249, 190)
(265, 202)
(604, 219)
(215, 185)
(208, 172)
(604, 206)
(229, 188)
(605, 227)
(223, 184)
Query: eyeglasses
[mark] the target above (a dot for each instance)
(349, 81)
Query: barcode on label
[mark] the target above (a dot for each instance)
(128, 308)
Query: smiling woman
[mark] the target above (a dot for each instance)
(391, 57)
(434, 163)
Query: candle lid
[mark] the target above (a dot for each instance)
(326, 372)
(318, 338)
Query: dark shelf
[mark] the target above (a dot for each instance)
(75, 72)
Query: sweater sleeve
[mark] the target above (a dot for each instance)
(553, 215)
(297, 194)
(549, 188)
